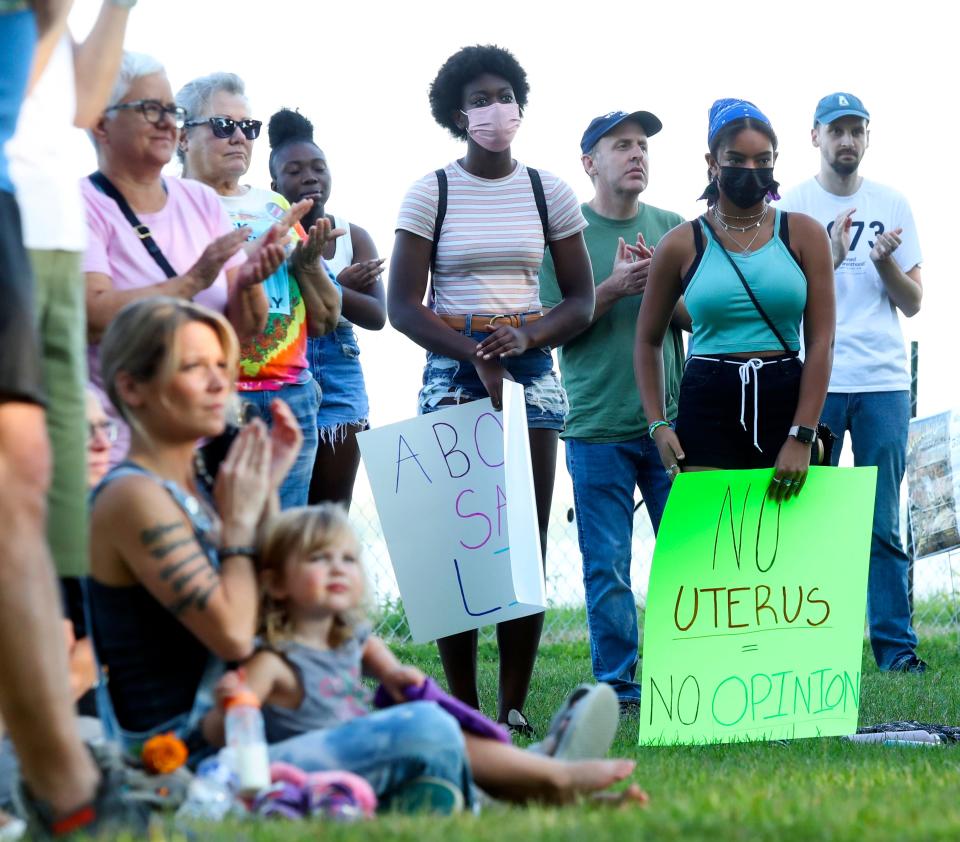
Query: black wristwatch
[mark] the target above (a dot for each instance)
(804, 435)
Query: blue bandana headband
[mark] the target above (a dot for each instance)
(725, 111)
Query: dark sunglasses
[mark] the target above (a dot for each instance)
(223, 127)
(153, 111)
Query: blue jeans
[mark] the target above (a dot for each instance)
(304, 401)
(446, 380)
(604, 476)
(878, 423)
(389, 748)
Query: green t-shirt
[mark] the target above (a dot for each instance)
(597, 365)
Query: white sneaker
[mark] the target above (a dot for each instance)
(585, 725)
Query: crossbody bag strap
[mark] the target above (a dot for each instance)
(746, 286)
(106, 186)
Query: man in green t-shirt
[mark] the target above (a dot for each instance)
(609, 452)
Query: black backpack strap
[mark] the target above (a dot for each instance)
(540, 198)
(698, 244)
(105, 186)
(441, 213)
(746, 286)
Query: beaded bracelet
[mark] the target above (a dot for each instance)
(656, 425)
(228, 552)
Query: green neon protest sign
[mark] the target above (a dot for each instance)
(755, 610)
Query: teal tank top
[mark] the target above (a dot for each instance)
(725, 320)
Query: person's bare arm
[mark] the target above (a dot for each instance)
(51, 18)
(97, 62)
(321, 298)
(380, 663)
(681, 317)
(571, 316)
(656, 311)
(409, 266)
(819, 325)
(265, 674)
(905, 289)
(362, 283)
(104, 301)
(247, 305)
(155, 541)
(136, 521)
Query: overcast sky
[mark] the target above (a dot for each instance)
(360, 71)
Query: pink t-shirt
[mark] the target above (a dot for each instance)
(192, 218)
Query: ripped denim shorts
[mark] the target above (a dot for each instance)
(446, 380)
(335, 363)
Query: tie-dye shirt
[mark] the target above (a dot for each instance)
(278, 356)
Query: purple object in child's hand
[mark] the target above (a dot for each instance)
(469, 718)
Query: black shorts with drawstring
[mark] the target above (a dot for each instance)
(724, 400)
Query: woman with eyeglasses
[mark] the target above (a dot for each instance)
(302, 297)
(149, 235)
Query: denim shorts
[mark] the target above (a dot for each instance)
(335, 362)
(446, 380)
(735, 413)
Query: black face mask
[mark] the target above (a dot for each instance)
(747, 187)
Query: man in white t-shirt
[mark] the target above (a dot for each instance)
(876, 256)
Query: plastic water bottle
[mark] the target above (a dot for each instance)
(243, 723)
(212, 794)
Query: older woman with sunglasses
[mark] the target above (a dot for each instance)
(215, 148)
(150, 235)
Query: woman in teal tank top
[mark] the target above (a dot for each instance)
(750, 275)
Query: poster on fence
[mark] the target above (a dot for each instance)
(454, 492)
(755, 610)
(933, 477)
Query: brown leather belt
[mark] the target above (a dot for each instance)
(482, 322)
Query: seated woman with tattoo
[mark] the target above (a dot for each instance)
(173, 591)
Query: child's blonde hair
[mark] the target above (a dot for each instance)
(296, 533)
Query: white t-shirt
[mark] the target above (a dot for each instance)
(869, 355)
(47, 156)
(491, 242)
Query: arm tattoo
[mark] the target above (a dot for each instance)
(173, 567)
(198, 595)
(166, 549)
(155, 533)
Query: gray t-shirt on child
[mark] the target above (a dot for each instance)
(333, 692)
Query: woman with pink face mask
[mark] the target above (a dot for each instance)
(477, 229)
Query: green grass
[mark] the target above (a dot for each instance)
(807, 789)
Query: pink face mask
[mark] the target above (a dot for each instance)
(493, 126)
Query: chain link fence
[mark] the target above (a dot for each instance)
(936, 577)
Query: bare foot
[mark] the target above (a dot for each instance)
(631, 796)
(589, 776)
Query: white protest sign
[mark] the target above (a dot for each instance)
(454, 491)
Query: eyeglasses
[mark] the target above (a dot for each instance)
(108, 429)
(154, 111)
(224, 127)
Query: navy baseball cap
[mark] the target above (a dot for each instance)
(599, 126)
(835, 106)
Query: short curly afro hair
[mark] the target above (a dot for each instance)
(466, 65)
